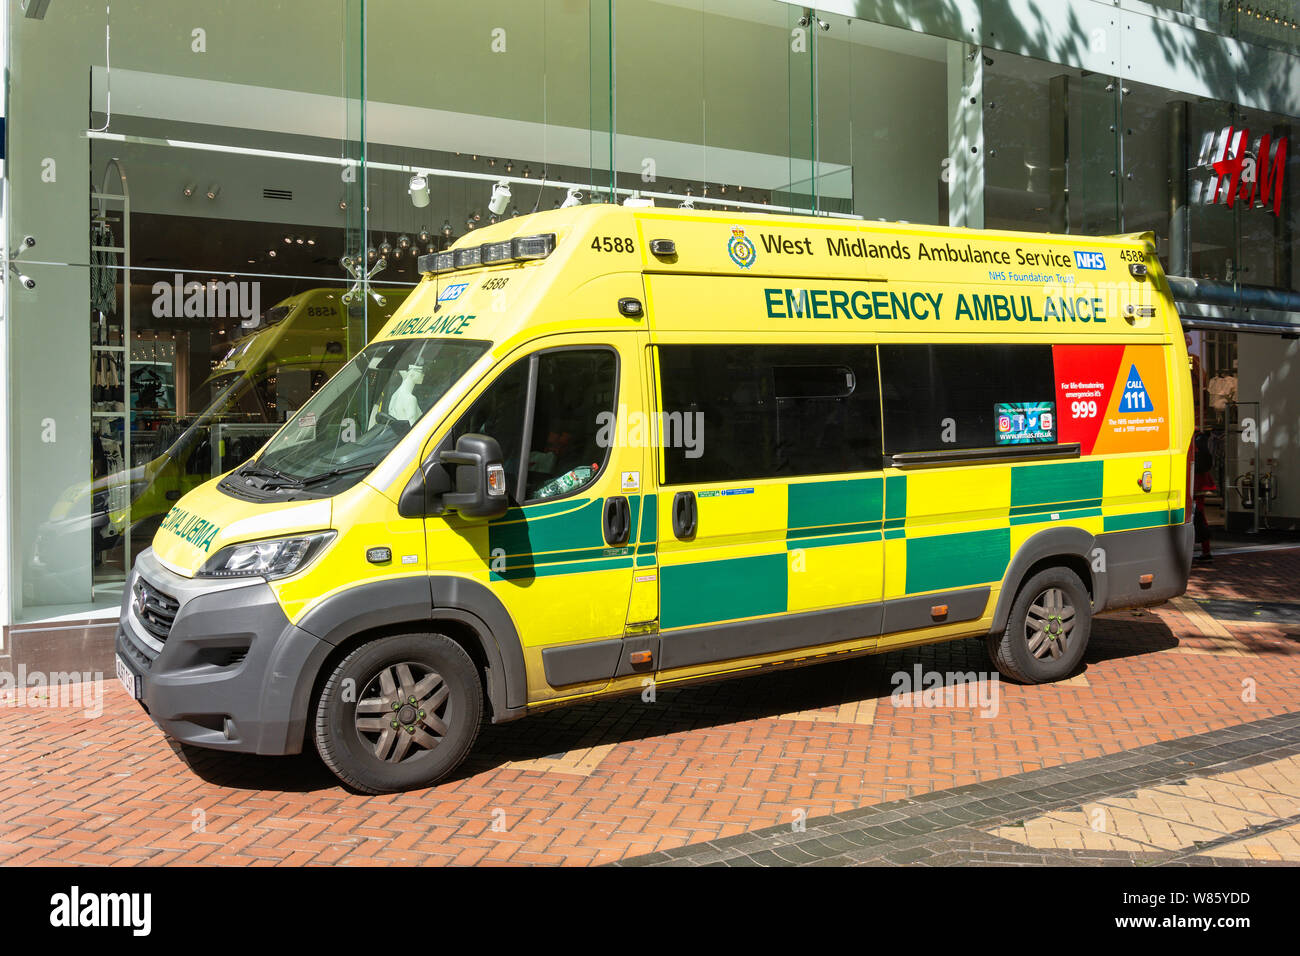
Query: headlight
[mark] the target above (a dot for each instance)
(272, 558)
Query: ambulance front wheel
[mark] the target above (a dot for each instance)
(1047, 630)
(399, 713)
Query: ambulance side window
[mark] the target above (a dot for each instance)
(743, 412)
(576, 395)
(938, 397)
(499, 413)
(564, 452)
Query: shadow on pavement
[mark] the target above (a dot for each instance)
(629, 719)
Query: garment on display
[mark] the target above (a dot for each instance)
(103, 262)
(1222, 389)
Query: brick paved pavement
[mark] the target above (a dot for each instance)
(1226, 797)
(608, 781)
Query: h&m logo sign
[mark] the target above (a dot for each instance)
(1252, 175)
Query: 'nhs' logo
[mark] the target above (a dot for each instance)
(454, 291)
(1089, 260)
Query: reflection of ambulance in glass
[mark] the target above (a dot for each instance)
(295, 348)
(447, 533)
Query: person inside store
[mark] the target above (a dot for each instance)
(1202, 485)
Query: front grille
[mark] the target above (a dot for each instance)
(155, 610)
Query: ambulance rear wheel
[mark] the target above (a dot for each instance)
(399, 713)
(1047, 630)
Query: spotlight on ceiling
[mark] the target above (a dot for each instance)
(419, 189)
(214, 190)
(500, 198)
(189, 190)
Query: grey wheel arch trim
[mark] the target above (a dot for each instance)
(421, 601)
(1048, 543)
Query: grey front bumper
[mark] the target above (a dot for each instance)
(232, 673)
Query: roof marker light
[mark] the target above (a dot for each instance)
(519, 249)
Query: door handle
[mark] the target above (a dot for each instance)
(617, 520)
(684, 514)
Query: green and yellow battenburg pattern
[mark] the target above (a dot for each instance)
(764, 551)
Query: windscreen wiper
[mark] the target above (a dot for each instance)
(254, 470)
(333, 473)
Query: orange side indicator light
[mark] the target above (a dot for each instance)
(939, 611)
(640, 657)
(1146, 579)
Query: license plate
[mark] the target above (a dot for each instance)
(128, 677)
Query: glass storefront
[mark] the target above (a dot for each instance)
(227, 200)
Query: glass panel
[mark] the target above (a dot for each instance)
(801, 92)
(193, 294)
(505, 120)
(703, 109)
(1212, 226)
(1026, 131)
(883, 122)
(1053, 147)
(1094, 160)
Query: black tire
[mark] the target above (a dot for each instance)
(355, 713)
(1037, 647)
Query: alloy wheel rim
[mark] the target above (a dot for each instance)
(404, 711)
(1049, 624)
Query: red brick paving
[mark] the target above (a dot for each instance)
(699, 763)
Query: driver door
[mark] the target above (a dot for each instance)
(561, 559)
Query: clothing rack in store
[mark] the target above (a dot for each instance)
(113, 193)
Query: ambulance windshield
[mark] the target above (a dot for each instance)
(360, 414)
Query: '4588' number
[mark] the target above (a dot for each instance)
(612, 244)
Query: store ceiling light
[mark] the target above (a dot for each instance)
(419, 190)
(214, 190)
(500, 200)
(189, 190)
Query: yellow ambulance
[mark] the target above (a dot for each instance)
(603, 446)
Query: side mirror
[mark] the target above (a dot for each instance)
(480, 480)
(422, 496)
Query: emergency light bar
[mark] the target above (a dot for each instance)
(519, 249)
